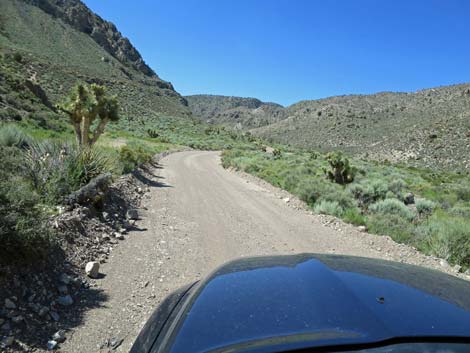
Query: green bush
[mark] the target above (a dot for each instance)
(277, 154)
(425, 207)
(23, 230)
(394, 225)
(396, 186)
(354, 216)
(56, 169)
(130, 157)
(329, 207)
(392, 207)
(446, 237)
(341, 172)
(312, 191)
(12, 136)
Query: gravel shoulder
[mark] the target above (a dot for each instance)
(195, 217)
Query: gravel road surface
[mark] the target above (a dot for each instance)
(197, 216)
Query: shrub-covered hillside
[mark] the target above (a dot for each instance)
(429, 128)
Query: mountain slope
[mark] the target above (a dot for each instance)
(235, 112)
(429, 128)
(59, 43)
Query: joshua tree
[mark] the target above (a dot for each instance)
(341, 172)
(84, 105)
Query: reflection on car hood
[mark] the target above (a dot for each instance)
(315, 300)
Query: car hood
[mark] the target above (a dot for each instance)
(310, 300)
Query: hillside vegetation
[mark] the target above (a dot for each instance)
(430, 211)
(235, 112)
(428, 128)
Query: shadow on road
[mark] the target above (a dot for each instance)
(145, 172)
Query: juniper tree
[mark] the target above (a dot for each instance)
(85, 105)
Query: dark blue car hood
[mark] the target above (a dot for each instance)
(317, 300)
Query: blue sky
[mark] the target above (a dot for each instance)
(289, 50)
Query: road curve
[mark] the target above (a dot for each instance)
(195, 218)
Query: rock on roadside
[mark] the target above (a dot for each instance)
(92, 269)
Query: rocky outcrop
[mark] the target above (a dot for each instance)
(105, 33)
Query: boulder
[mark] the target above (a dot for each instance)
(92, 269)
(409, 199)
(132, 214)
(65, 300)
(9, 304)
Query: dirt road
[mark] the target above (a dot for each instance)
(197, 216)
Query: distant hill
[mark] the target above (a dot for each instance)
(47, 46)
(235, 112)
(429, 128)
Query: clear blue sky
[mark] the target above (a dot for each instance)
(288, 50)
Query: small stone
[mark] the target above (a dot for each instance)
(119, 236)
(6, 326)
(92, 269)
(286, 199)
(9, 304)
(132, 214)
(457, 268)
(65, 300)
(105, 237)
(362, 229)
(43, 311)
(59, 336)
(7, 342)
(17, 319)
(51, 345)
(63, 289)
(64, 278)
(2, 321)
(54, 315)
(443, 263)
(409, 199)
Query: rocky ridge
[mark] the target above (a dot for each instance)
(103, 32)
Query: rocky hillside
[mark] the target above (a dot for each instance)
(429, 128)
(235, 112)
(47, 46)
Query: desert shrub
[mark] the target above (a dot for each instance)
(369, 191)
(56, 169)
(460, 211)
(463, 192)
(340, 171)
(354, 216)
(130, 157)
(394, 225)
(313, 155)
(329, 207)
(312, 191)
(446, 237)
(396, 186)
(152, 133)
(425, 207)
(18, 57)
(23, 230)
(392, 207)
(277, 154)
(12, 136)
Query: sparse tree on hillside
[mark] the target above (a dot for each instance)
(86, 104)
